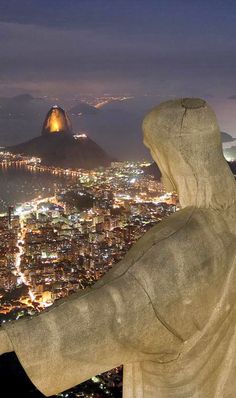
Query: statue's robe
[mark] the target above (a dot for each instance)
(166, 312)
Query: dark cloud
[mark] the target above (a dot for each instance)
(31, 53)
(165, 47)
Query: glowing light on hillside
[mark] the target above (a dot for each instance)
(54, 126)
(57, 121)
(79, 136)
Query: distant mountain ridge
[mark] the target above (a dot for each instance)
(154, 170)
(82, 108)
(116, 126)
(227, 137)
(64, 150)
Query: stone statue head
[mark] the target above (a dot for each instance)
(185, 141)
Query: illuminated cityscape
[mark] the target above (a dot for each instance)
(77, 186)
(66, 242)
(51, 246)
(64, 239)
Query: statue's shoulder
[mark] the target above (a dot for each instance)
(183, 271)
(185, 237)
(159, 234)
(162, 232)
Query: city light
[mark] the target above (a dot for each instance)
(79, 136)
(58, 248)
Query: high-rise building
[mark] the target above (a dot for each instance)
(10, 212)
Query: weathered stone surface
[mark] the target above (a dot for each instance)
(167, 310)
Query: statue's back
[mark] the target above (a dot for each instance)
(190, 276)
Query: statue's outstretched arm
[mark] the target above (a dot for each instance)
(86, 334)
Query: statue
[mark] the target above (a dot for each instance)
(167, 310)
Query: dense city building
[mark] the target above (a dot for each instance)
(51, 246)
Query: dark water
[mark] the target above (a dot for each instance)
(19, 184)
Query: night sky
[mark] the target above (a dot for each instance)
(156, 47)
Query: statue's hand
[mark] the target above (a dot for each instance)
(5, 343)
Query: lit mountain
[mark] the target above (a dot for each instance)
(58, 146)
(116, 125)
